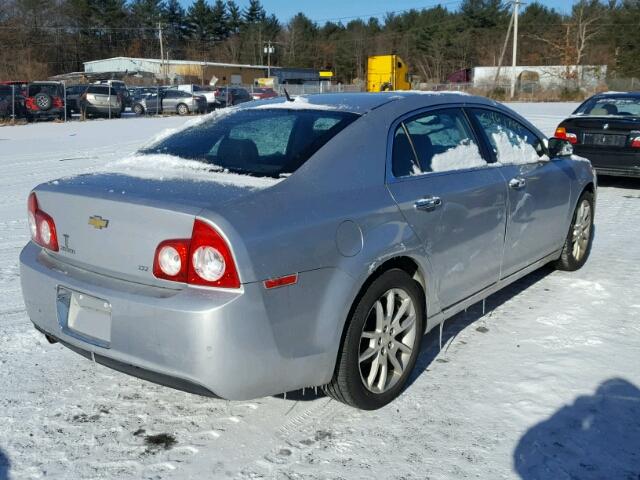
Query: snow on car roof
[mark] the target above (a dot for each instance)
(360, 102)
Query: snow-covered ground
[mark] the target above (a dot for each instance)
(544, 385)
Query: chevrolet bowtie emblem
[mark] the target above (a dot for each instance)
(98, 222)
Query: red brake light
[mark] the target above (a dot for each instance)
(204, 259)
(635, 143)
(562, 133)
(57, 102)
(30, 103)
(42, 226)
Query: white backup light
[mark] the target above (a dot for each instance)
(45, 231)
(208, 263)
(169, 261)
(33, 226)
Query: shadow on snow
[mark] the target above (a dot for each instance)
(4, 466)
(596, 437)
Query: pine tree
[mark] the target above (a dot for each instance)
(255, 12)
(220, 24)
(234, 19)
(199, 21)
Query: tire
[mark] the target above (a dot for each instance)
(138, 109)
(386, 87)
(182, 109)
(577, 245)
(43, 101)
(370, 340)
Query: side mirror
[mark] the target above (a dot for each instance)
(559, 147)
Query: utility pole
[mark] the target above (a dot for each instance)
(502, 52)
(269, 49)
(516, 4)
(161, 50)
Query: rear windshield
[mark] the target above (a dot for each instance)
(614, 106)
(259, 142)
(49, 89)
(101, 90)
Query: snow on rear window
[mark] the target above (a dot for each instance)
(167, 167)
(257, 142)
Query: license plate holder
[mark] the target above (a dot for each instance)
(84, 316)
(605, 140)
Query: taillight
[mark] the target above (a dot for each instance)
(635, 143)
(57, 102)
(171, 260)
(204, 259)
(562, 134)
(30, 103)
(42, 226)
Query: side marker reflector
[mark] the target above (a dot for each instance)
(281, 281)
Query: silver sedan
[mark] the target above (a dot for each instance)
(306, 242)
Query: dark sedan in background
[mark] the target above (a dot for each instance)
(606, 130)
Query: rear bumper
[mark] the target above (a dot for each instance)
(51, 113)
(619, 172)
(235, 345)
(623, 163)
(102, 110)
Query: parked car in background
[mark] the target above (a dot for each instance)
(315, 244)
(228, 96)
(205, 92)
(11, 101)
(261, 93)
(74, 92)
(121, 89)
(136, 93)
(170, 101)
(44, 100)
(100, 101)
(606, 130)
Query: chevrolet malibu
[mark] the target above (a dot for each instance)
(308, 242)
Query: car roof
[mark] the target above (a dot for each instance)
(617, 94)
(362, 102)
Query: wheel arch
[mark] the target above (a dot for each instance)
(401, 262)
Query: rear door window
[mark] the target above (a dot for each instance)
(512, 142)
(435, 141)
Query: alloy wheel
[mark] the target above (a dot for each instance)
(387, 340)
(581, 230)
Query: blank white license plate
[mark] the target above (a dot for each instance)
(85, 315)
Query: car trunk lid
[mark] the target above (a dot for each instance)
(112, 223)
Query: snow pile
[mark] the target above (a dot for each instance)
(298, 103)
(168, 167)
(464, 155)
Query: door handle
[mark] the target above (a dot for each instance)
(517, 183)
(428, 204)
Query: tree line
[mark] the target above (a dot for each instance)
(40, 38)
